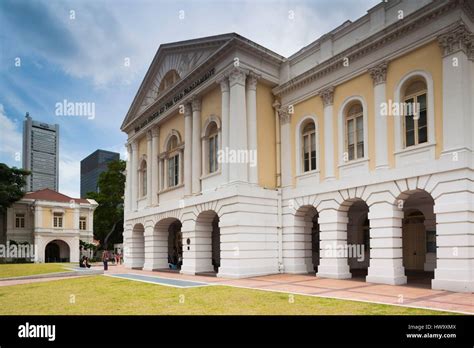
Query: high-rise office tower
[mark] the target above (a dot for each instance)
(91, 168)
(41, 154)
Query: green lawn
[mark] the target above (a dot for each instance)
(26, 269)
(106, 295)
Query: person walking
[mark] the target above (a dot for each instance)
(105, 259)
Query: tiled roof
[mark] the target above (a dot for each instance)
(51, 195)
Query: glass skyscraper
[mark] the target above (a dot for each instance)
(41, 154)
(91, 168)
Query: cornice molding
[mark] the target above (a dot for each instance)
(380, 39)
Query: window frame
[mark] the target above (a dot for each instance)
(308, 135)
(354, 118)
(416, 129)
(58, 220)
(83, 223)
(20, 220)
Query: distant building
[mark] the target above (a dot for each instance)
(92, 166)
(41, 154)
(52, 222)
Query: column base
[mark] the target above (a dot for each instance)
(453, 285)
(155, 265)
(397, 280)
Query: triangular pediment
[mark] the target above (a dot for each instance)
(182, 57)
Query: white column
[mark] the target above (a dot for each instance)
(386, 253)
(328, 99)
(252, 125)
(333, 238)
(455, 238)
(238, 172)
(285, 148)
(149, 171)
(379, 76)
(458, 57)
(155, 174)
(196, 155)
(134, 170)
(128, 180)
(225, 98)
(188, 146)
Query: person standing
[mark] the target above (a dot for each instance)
(105, 259)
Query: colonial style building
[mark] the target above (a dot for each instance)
(52, 222)
(352, 157)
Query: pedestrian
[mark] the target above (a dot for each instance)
(105, 259)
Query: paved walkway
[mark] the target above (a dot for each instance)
(351, 289)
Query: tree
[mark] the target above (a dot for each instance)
(108, 216)
(12, 182)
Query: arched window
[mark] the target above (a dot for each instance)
(170, 78)
(308, 138)
(354, 131)
(415, 125)
(212, 147)
(173, 161)
(143, 179)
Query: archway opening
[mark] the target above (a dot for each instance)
(137, 249)
(57, 251)
(358, 239)
(175, 246)
(303, 249)
(208, 243)
(419, 238)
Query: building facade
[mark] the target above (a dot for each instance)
(52, 222)
(91, 168)
(41, 154)
(353, 157)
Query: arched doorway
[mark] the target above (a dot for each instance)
(57, 251)
(137, 247)
(419, 238)
(358, 239)
(208, 243)
(175, 246)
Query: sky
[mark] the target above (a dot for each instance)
(98, 51)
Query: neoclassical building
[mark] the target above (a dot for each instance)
(53, 223)
(351, 158)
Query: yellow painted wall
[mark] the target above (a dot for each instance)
(176, 122)
(142, 147)
(211, 105)
(312, 106)
(428, 58)
(47, 221)
(68, 219)
(361, 86)
(266, 146)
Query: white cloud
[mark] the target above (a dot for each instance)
(69, 175)
(10, 140)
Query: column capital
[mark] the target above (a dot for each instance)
(284, 114)
(237, 76)
(134, 145)
(327, 95)
(252, 81)
(379, 73)
(149, 135)
(224, 83)
(196, 103)
(188, 111)
(155, 131)
(457, 39)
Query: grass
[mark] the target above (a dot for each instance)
(97, 295)
(26, 269)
